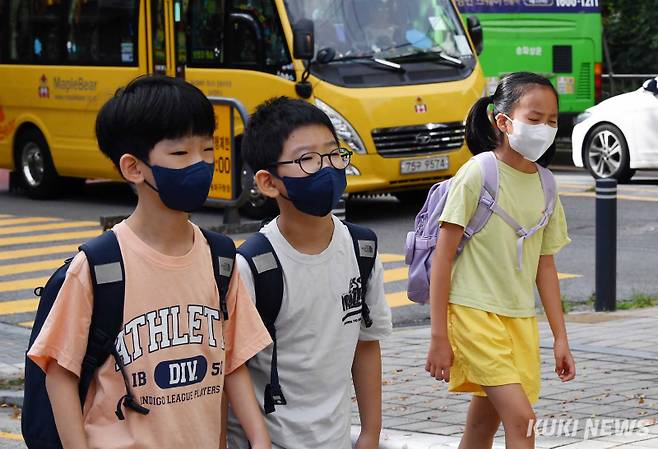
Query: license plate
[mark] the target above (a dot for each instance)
(424, 165)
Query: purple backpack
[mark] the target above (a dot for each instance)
(421, 242)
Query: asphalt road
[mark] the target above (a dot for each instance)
(637, 234)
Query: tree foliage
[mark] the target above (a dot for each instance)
(631, 29)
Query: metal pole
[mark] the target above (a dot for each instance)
(606, 245)
(232, 213)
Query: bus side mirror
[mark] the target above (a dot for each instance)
(475, 30)
(303, 41)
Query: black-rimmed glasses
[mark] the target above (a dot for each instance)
(312, 162)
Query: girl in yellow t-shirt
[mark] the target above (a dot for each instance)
(484, 331)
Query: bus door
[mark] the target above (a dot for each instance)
(160, 37)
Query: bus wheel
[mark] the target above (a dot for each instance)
(257, 207)
(35, 167)
(606, 154)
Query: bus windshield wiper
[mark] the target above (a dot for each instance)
(439, 57)
(382, 62)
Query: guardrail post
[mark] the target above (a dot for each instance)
(606, 245)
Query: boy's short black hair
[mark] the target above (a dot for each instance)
(149, 109)
(271, 125)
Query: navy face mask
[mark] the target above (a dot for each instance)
(316, 194)
(183, 189)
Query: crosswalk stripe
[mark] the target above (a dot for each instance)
(45, 238)
(11, 436)
(22, 284)
(396, 274)
(30, 267)
(5, 216)
(47, 227)
(19, 306)
(41, 251)
(397, 299)
(386, 258)
(565, 276)
(26, 220)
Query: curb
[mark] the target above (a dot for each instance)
(12, 397)
(399, 439)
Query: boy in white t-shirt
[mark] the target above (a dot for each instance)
(324, 341)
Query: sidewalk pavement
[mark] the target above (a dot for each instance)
(617, 379)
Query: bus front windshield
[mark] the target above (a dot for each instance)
(383, 28)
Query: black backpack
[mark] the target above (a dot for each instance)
(268, 285)
(108, 281)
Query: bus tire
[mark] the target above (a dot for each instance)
(258, 206)
(34, 165)
(414, 198)
(606, 155)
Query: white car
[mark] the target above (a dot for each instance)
(620, 135)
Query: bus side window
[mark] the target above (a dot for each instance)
(36, 32)
(101, 32)
(70, 32)
(16, 42)
(206, 35)
(275, 55)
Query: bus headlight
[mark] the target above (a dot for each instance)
(344, 130)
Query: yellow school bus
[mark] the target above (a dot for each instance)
(396, 77)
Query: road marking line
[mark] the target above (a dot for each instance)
(402, 273)
(28, 324)
(396, 274)
(19, 306)
(5, 216)
(386, 258)
(624, 187)
(30, 267)
(26, 220)
(69, 250)
(398, 299)
(47, 227)
(41, 251)
(45, 238)
(11, 436)
(23, 284)
(619, 197)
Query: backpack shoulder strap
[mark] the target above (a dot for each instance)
(488, 165)
(549, 185)
(268, 286)
(108, 278)
(108, 282)
(222, 250)
(489, 170)
(365, 249)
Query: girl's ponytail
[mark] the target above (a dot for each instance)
(480, 133)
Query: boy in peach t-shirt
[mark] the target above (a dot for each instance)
(158, 132)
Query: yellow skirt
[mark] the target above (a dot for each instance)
(492, 350)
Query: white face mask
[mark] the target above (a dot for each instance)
(530, 141)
